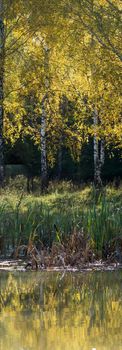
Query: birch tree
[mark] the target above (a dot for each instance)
(82, 54)
(43, 146)
(98, 153)
(19, 20)
(101, 20)
(44, 176)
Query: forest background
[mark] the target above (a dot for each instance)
(60, 119)
(60, 96)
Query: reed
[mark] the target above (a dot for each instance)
(55, 216)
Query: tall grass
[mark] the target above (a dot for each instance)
(55, 216)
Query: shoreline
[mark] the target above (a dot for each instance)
(20, 266)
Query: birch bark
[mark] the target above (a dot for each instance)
(1, 92)
(99, 154)
(44, 175)
(43, 147)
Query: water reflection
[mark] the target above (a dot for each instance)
(47, 311)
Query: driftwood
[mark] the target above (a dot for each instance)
(34, 257)
(75, 252)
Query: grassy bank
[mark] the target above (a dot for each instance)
(58, 214)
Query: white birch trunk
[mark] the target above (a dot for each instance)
(1, 92)
(43, 148)
(63, 111)
(98, 154)
(44, 175)
(102, 152)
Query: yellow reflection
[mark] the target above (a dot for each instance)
(44, 312)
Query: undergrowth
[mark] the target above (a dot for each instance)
(55, 216)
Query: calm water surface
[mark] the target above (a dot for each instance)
(49, 311)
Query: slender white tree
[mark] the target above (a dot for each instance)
(99, 153)
(44, 175)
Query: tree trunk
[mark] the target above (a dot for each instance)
(98, 154)
(102, 152)
(63, 109)
(1, 92)
(43, 148)
(44, 177)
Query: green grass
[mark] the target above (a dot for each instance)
(55, 215)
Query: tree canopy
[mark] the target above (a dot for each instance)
(82, 73)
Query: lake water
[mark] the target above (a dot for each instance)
(51, 311)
